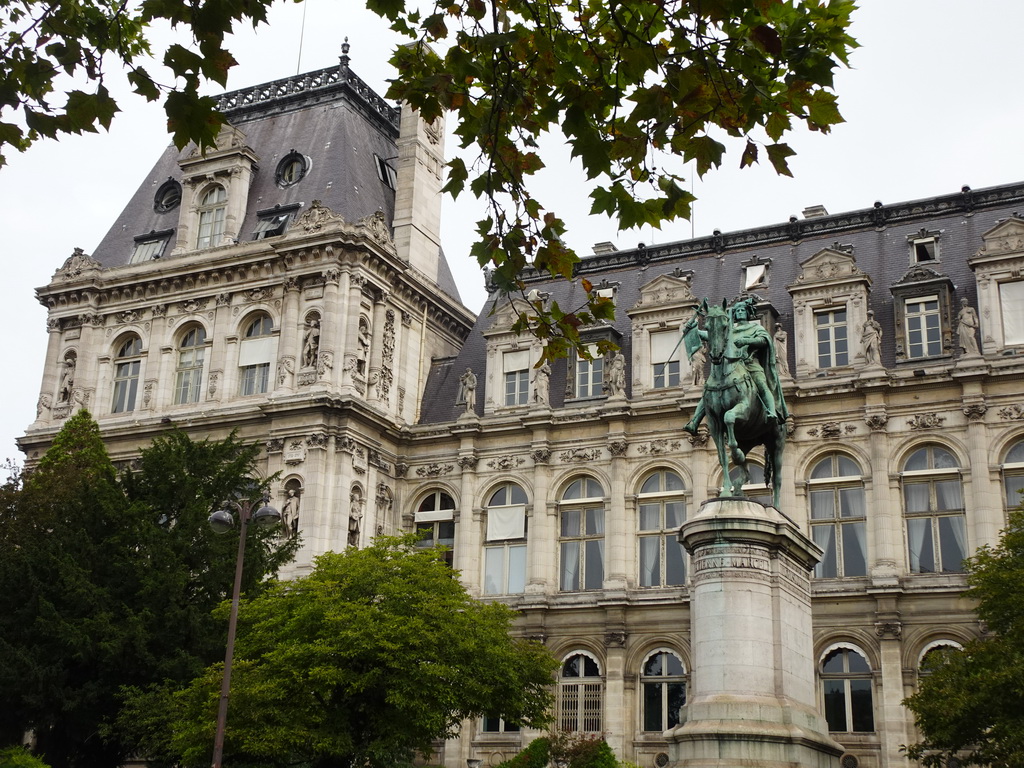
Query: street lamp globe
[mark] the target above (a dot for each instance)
(266, 517)
(222, 521)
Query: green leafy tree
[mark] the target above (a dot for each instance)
(971, 704)
(372, 657)
(633, 88)
(19, 757)
(107, 582)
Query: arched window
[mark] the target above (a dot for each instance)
(934, 508)
(581, 545)
(580, 695)
(257, 350)
(846, 692)
(435, 523)
(661, 510)
(1013, 476)
(127, 365)
(212, 207)
(189, 373)
(663, 680)
(934, 655)
(505, 545)
(836, 494)
(755, 489)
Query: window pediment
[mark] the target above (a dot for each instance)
(920, 275)
(830, 266)
(1006, 237)
(671, 289)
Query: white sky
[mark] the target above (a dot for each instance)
(930, 104)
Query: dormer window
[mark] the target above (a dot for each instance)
(151, 246)
(212, 207)
(168, 196)
(291, 170)
(385, 172)
(924, 246)
(273, 222)
(755, 273)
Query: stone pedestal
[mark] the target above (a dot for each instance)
(751, 700)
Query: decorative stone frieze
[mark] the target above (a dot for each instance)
(926, 421)
(435, 470)
(580, 455)
(506, 462)
(658, 447)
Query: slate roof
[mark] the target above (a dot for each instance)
(331, 116)
(878, 236)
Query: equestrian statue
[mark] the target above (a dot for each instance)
(742, 397)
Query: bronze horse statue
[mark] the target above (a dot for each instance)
(742, 398)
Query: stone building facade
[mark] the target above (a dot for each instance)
(290, 285)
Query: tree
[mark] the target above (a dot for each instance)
(635, 88)
(373, 656)
(107, 582)
(972, 702)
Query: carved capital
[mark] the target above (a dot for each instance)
(975, 411)
(540, 456)
(891, 630)
(876, 421)
(618, 447)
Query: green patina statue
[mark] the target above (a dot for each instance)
(742, 398)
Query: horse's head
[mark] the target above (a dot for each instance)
(718, 325)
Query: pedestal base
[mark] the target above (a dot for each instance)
(728, 731)
(753, 692)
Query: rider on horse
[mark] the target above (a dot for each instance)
(758, 357)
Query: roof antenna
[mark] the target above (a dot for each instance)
(302, 35)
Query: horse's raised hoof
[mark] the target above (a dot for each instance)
(691, 428)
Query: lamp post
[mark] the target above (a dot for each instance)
(223, 521)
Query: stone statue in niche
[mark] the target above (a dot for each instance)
(67, 380)
(698, 361)
(467, 390)
(617, 375)
(290, 513)
(311, 343)
(364, 346)
(967, 326)
(871, 339)
(542, 385)
(782, 349)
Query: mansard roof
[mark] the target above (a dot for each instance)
(877, 237)
(331, 116)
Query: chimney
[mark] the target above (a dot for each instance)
(418, 184)
(815, 212)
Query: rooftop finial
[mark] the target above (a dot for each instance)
(344, 52)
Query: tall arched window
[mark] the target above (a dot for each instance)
(505, 546)
(1013, 476)
(836, 494)
(435, 523)
(254, 356)
(661, 510)
(212, 207)
(580, 695)
(189, 372)
(663, 680)
(934, 508)
(846, 691)
(127, 365)
(755, 489)
(581, 545)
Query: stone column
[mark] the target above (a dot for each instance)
(542, 575)
(752, 695)
(619, 536)
(331, 358)
(885, 519)
(289, 350)
(893, 725)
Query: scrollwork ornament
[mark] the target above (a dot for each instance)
(975, 411)
(876, 421)
(541, 456)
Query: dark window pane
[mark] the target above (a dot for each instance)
(652, 707)
(835, 704)
(676, 700)
(675, 562)
(860, 704)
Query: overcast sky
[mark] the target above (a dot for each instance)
(931, 102)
